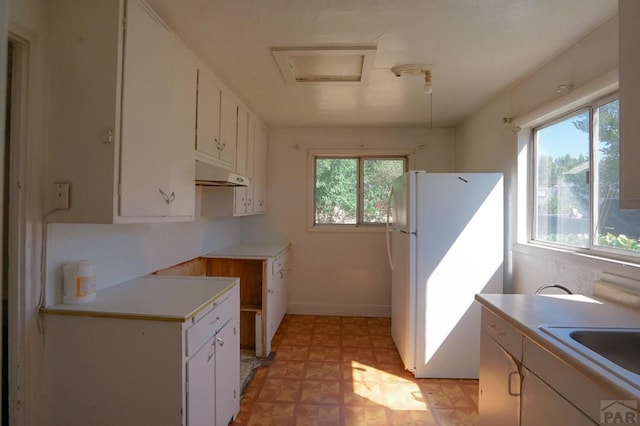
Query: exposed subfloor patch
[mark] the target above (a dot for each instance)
(248, 365)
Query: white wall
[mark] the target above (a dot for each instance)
(123, 252)
(338, 273)
(484, 142)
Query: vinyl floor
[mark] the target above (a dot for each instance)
(346, 371)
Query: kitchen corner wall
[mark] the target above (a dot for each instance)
(338, 273)
(484, 142)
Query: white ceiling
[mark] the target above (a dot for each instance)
(477, 48)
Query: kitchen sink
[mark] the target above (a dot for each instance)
(620, 346)
(614, 349)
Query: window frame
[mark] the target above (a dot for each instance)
(360, 155)
(593, 250)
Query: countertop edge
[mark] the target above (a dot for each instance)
(76, 310)
(574, 359)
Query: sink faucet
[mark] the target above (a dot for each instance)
(566, 290)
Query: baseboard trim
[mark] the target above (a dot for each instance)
(339, 310)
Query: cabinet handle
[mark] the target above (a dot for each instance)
(212, 350)
(168, 198)
(220, 341)
(511, 377)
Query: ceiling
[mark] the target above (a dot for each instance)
(475, 49)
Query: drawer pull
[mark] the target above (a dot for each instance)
(220, 341)
(214, 321)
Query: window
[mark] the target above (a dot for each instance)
(576, 185)
(354, 190)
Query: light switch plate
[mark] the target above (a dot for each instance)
(61, 195)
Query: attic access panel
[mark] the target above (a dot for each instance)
(325, 64)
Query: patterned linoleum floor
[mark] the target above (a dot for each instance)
(346, 371)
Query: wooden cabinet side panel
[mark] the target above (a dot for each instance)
(105, 371)
(250, 273)
(248, 329)
(191, 268)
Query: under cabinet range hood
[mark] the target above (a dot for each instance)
(210, 175)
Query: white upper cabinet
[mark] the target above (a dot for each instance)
(122, 114)
(208, 135)
(260, 169)
(217, 123)
(243, 201)
(628, 18)
(228, 130)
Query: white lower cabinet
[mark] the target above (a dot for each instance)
(227, 372)
(277, 294)
(541, 405)
(499, 389)
(522, 383)
(201, 385)
(136, 370)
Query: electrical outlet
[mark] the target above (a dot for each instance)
(61, 195)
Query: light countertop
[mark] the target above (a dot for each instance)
(527, 313)
(158, 297)
(250, 251)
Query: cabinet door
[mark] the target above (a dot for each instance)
(240, 200)
(228, 130)
(145, 152)
(242, 151)
(181, 166)
(541, 405)
(227, 373)
(251, 126)
(201, 386)
(498, 399)
(260, 169)
(208, 132)
(277, 297)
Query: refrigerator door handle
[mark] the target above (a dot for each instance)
(389, 229)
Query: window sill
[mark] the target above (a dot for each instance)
(566, 255)
(347, 228)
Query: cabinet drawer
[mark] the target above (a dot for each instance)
(214, 320)
(280, 263)
(503, 333)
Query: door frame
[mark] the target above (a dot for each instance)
(18, 305)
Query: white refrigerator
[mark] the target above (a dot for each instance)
(445, 241)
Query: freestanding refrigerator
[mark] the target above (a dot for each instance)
(445, 241)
